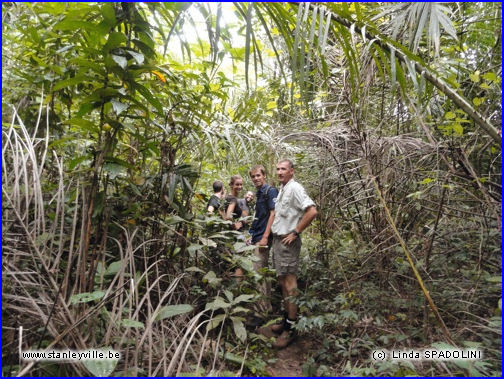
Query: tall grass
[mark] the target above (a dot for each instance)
(43, 207)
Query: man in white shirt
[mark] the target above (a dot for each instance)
(294, 211)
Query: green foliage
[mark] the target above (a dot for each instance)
(231, 308)
(86, 297)
(101, 368)
(112, 139)
(173, 310)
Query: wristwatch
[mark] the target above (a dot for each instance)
(295, 232)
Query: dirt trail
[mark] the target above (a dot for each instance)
(290, 359)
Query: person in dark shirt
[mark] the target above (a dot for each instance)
(214, 202)
(261, 229)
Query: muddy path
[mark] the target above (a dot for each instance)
(289, 361)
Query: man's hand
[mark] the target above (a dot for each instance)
(238, 225)
(263, 242)
(289, 238)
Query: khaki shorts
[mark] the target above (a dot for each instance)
(286, 257)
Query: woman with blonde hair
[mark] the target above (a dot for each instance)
(232, 208)
(233, 211)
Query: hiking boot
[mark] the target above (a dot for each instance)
(272, 330)
(277, 328)
(253, 321)
(285, 339)
(267, 331)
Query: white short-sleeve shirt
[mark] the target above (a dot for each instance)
(291, 203)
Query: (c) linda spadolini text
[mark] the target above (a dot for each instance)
(427, 354)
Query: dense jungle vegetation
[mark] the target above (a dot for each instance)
(117, 118)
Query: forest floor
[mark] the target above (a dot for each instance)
(289, 361)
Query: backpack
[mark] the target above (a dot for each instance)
(266, 196)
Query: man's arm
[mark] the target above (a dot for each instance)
(308, 216)
(264, 239)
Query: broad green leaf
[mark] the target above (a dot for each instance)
(246, 263)
(86, 297)
(174, 219)
(53, 8)
(229, 295)
(214, 322)
(475, 77)
(490, 76)
(245, 298)
(240, 247)
(99, 269)
(271, 105)
(115, 39)
(150, 98)
(211, 279)
(34, 34)
(478, 101)
(194, 269)
(113, 268)
(103, 367)
(69, 82)
(449, 115)
(128, 323)
(74, 162)
(218, 303)
(233, 358)
(69, 24)
(239, 309)
(144, 48)
(108, 13)
(194, 247)
(427, 181)
(239, 328)
(85, 109)
(173, 310)
(102, 93)
(458, 128)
